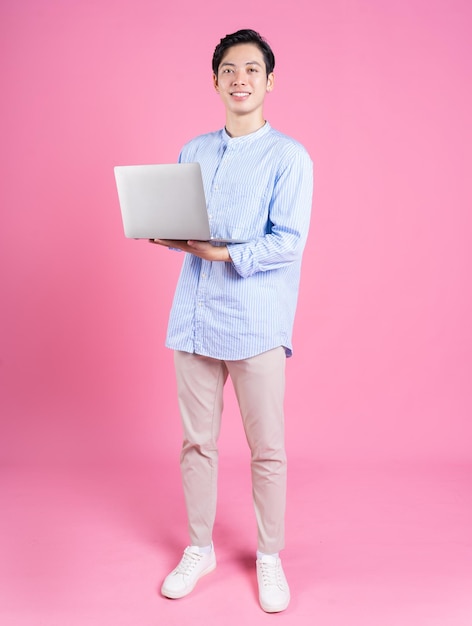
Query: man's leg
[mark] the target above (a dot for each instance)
(259, 384)
(200, 382)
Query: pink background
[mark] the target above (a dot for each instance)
(380, 94)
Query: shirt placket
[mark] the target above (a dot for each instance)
(214, 215)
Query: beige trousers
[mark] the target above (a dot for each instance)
(259, 383)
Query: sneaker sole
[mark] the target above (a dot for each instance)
(175, 596)
(275, 609)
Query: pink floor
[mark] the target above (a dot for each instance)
(383, 546)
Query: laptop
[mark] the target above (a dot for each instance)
(164, 201)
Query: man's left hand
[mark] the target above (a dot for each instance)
(202, 249)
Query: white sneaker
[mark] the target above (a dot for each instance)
(274, 594)
(182, 580)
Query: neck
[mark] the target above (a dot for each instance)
(243, 125)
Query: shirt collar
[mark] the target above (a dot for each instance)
(244, 139)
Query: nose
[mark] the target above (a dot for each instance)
(239, 77)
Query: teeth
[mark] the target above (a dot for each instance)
(240, 94)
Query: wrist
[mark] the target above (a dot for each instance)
(224, 253)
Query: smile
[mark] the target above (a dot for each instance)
(240, 94)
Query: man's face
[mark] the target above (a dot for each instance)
(242, 81)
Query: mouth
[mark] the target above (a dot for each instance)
(240, 94)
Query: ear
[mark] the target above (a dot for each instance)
(215, 83)
(270, 82)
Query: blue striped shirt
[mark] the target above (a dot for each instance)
(258, 188)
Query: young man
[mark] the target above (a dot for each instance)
(234, 307)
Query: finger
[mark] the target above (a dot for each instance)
(200, 245)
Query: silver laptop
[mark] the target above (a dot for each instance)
(165, 201)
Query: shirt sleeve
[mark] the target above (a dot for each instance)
(289, 221)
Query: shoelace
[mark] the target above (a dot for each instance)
(271, 575)
(188, 562)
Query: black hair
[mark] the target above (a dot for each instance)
(243, 36)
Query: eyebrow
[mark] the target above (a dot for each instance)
(234, 64)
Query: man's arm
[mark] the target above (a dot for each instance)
(289, 214)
